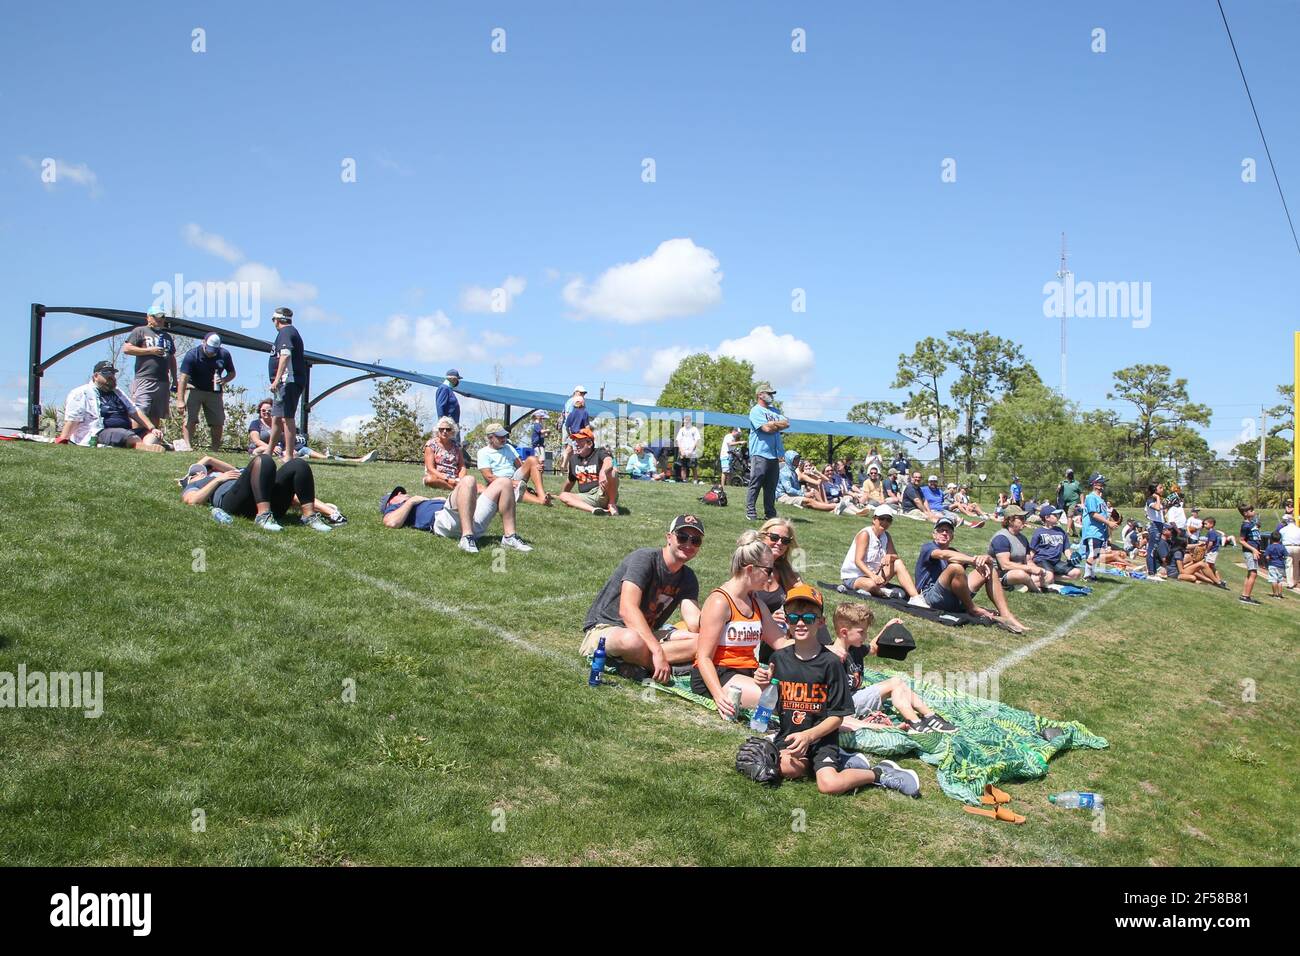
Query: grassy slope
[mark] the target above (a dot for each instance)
(223, 692)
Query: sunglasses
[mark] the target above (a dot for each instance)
(808, 617)
(765, 567)
(779, 538)
(694, 540)
(446, 429)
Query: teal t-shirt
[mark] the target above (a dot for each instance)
(1091, 527)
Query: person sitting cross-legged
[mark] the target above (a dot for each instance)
(638, 599)
(499, 459)
(1011, 552)
(1050, 547)
(592, 470)
(872, 562)
(946, 584)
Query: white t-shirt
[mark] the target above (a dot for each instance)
(1176, 516)
(877, 548)
(727, 441)
(1291, 535)
(1194, 525)
(688, 441)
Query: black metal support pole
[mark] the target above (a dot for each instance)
(306, 402)
(507, 417)
(34, 370)
(830, 447)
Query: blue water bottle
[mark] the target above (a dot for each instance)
(597, 663)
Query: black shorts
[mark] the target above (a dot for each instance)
(822, 754)
(285, 402)
(724, 674)
(119, 437)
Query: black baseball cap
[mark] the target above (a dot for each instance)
(895, 642)
(686, 521)
(105, 367)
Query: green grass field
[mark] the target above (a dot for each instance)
(474, 738)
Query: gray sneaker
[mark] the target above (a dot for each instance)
(893, 777)
(266, 521)
(316, 523)
(468, 545)
(854, 761)
(516, 542)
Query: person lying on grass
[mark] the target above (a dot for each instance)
(1050, 548)
(260, 491)
(813, 702)
(871, 562)
(398, 509)
(946, 585)
(1010, 550)
(734, 621)
(592, 470)
(638, 599)
(500, 459)
(851, 621)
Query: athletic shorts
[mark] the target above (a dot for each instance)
(1056, 567)
(941, 599)
(796, 500)
(1276, 576)
(448, 525)
(1252, 562)
(119, 437)
(1211, 558)
(151, 397)
(284, 403)
(1093, 547)
(866, 700)
(596, 498)
(724, 674)
(726, 462)
(214, 409)
(822, 754)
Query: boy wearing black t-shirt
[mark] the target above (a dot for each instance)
(814, 701)
(1252, 547)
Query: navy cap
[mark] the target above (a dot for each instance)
(452, 373)
(384, 499)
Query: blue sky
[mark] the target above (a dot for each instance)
(774, 170)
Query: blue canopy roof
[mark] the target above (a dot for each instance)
(554, 402)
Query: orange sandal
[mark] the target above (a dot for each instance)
(992, 796)
(1006, 814)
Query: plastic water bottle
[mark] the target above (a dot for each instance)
(1075, 800)
(597, 664)
(763, 712)
(222, 517)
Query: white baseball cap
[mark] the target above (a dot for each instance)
(579, 388)
(884, 511)
(932, 478)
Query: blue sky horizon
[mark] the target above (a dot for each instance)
(909, 173)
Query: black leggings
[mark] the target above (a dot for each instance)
(261, 482)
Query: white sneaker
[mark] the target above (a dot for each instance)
(516, 542)
(468, 545)
(369, 456)
(917, 601)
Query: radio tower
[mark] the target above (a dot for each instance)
(1061, 275)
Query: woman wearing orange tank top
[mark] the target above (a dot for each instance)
(733, 622)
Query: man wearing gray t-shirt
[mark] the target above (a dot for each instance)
(155, 366)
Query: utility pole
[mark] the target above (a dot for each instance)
(1263, 433)
(1061, 274)
(602, 391)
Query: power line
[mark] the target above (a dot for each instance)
(1260, 127)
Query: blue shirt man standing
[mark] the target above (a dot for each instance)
(766, 451)
(445, 402)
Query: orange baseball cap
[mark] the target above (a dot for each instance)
(804, 592)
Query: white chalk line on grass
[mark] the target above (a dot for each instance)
(565, 660)
(1021, 653)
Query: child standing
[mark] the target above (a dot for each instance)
(1251, 548)
(1276, 555)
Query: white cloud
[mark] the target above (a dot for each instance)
(476, 298)
(679, 278)
(354, 423)
(816, 405)
(436, 339)
(664, 362)
(779, 359)
(79, 174)
(272, 288)
(621, 360)
(211, 243)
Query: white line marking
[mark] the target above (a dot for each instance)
(1019, 654)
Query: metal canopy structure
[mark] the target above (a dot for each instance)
(511, 398)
